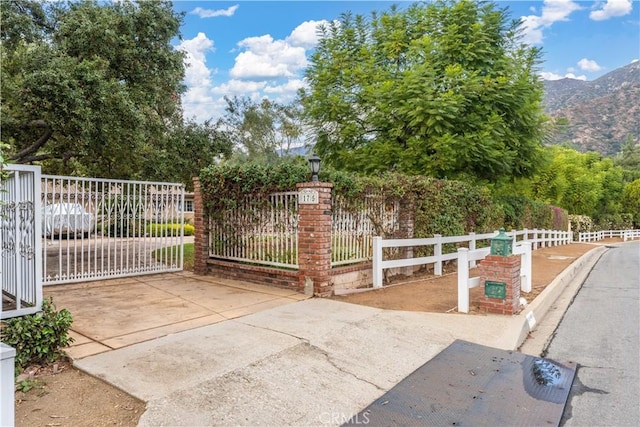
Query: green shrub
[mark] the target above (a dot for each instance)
(38, 338)
(615, 222)
(156, 230)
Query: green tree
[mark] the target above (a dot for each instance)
(259, 131)
(186, 150)
(582, 183)
(631, 200)
(629, 159)
(91, 87)
(444, 89)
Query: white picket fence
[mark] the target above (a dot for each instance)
(594, 236)
(534, 239)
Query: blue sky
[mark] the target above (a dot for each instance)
(261, 48)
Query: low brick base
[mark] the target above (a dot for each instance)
(501, 269)
(254, 274)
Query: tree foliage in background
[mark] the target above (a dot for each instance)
(443, 89)
(631, 200)
(93, 88)
(260, 131)
(629, 160)
(583, 183)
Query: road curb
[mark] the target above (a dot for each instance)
(534, 316)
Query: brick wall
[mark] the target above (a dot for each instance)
(255, 274)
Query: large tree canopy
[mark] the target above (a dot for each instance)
(443, 89)
(94, 88)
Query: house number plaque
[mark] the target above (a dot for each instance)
(308, 197)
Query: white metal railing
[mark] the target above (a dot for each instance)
(465, 259)
(20, 270)
(538, 239)
(594, 236)
(352, 232)
(98, 228)
(260, 230)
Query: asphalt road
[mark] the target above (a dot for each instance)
(601, 332)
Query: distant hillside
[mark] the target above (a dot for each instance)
(598, 115)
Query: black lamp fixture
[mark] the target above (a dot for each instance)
(314, 164)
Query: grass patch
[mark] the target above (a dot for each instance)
(163, 253)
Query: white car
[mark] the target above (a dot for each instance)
(66, 219)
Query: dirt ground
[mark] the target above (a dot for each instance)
(425, 292)
(70, 397)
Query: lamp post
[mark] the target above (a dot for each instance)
(314, 164)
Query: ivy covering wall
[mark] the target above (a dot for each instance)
(440, 206)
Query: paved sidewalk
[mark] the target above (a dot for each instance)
(312, 362)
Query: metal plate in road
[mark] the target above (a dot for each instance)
(473, 385)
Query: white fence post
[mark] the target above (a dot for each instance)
(526, 267)
(377, 262)
(437, 267)
(7, 403)
(463, 280)
(535, 239)
(472, 247)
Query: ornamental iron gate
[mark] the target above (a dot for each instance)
(20, 268)
(58, 229)
(98, 229)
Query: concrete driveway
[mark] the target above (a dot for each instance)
(116, 313)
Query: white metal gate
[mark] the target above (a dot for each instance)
(21, 269)
(97, 229)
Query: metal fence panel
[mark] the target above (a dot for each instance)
(353, 229)
(259, 230)
(20, 273)
(97, 228)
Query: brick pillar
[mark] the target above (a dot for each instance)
(201, 234)
(314, 239)
(504, 269)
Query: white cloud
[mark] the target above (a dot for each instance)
(572, 76)
(611, 9)
(634, 60)
(306, 34)
(263, 67)
(239, 87)
(197, 73)
(589, 65)
(197, 76)
(552, 11)
(265, 57)
(290, 86)
(210, 13)
(287, 92)
(546, 75)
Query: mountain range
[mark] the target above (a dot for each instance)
(598, 115)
